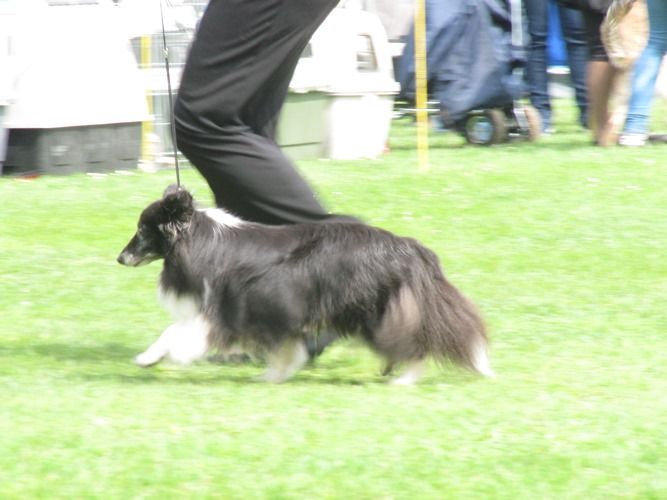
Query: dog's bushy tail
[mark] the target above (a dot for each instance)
(452, 328)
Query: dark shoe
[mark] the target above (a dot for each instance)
(658, 138)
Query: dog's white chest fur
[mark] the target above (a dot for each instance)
(181, 307)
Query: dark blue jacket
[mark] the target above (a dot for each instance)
(472, 63)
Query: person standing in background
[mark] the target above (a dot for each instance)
(644, 76)
(572, 25)
(602, 77)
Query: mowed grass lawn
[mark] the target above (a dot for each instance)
(561, 244)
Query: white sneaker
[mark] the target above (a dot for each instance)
(632, 140)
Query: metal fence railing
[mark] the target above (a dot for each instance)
(149, 53)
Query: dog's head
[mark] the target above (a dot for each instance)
(160, 226)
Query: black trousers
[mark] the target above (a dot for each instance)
(233, 86)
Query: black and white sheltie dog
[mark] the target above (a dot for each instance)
(262, 289)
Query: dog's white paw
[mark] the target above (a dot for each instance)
(272, 377)
(146, 359)
(403, 380)
(412, 374)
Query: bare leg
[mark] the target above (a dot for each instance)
(601, 80)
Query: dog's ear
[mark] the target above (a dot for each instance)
(178, 208)
(177, 201)
(171, 189)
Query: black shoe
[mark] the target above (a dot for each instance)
(659, 138)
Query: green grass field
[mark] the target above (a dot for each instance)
(561, 245)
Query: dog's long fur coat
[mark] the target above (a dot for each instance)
(263, 289)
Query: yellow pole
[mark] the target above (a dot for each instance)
(421, 91)
(147, 128)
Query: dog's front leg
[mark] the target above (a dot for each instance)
(158, 349)
(189, 342)
(285, 361)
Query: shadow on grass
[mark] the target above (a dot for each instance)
(112, 362)
(204, 374)
(62, 351)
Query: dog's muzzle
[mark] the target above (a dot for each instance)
(124, 259)
(129, 259)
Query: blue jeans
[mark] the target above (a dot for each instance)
(646, 69)
(537, 13)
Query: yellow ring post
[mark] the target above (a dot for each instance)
(421, 91)
(147, 128)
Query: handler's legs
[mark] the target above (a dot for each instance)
(233, 86)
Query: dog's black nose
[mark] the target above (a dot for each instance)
(120, 259)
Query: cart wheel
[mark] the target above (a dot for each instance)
(486, 128)
(534, 122)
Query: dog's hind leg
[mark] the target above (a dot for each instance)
(480, 359)
(412, 374)
(388, 368)
(158, 349)
(285, 361)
